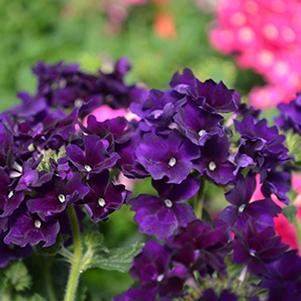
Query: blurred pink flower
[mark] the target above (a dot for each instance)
(266, 37)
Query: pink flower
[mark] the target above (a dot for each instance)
(266, 37)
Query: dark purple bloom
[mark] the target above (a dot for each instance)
(152, 263)
(214, 160)
(276, 182)
(256, 247)
(11, 253)
(283, 278)
(146, 293)
(115, 129)
(9, 199)
(197, 124)
(104, 197)
(290, 115)
(30, 230)
(162, 215)
(58, 196)
(169, 156)
(261, 146)
(156, 108)
(241, 209)
(201, 246)
(210, 295)
(210, 95)
(95, 158)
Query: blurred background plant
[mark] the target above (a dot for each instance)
(158, 36)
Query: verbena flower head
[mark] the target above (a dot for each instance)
(55, 155)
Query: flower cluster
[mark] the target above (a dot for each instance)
(57, 157)
(189, 134)
(52, 160)
(264, 36)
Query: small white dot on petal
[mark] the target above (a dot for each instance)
(61, 198)
(172, 162)
(101, 202)
(88, 168)
(212, 166)
(270, 31)
(168, 203)
(37, 224)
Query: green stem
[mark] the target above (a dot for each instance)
(199, 202)
(48, 283)
(75, 269)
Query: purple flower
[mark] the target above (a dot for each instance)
(260, 145)
(197, 124)
(95, 158)
(104, 197)
(54, 198)
(169, 156)
(290, 115)
(201, 246)
(209, 95)
(283, 278)
(241, 209)
(30, 230)
(210, 295)
(9, 199)
(11, 253)
(146, 293)
(214, 161)
(162, 215)
(256, 247)
(152, 263)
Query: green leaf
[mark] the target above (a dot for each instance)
(290, 212)
(97, 255)
(119, 259)
(293, 142)
(17, 277)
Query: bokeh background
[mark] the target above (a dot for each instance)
(159, 37)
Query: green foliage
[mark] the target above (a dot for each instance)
(16, 277)
(97, 255)
(16, 284)
(293, 142)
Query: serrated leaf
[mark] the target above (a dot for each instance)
(17, 277)
(290, 213)
(293, 142)
(119, 259)
(96, 255)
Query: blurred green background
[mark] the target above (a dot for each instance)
(76, 31)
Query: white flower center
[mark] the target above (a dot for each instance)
(62, 198)
(88, 168)
(172, 162)
(241, 208)
(252, 252)
(78, 103)
(212, 166)
(160, 278)
(37, 223)
(202, 133)
(10, 195)
(30, 147)
(101, 202)
(168, 203)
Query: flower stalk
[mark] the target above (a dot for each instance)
(75, 268)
